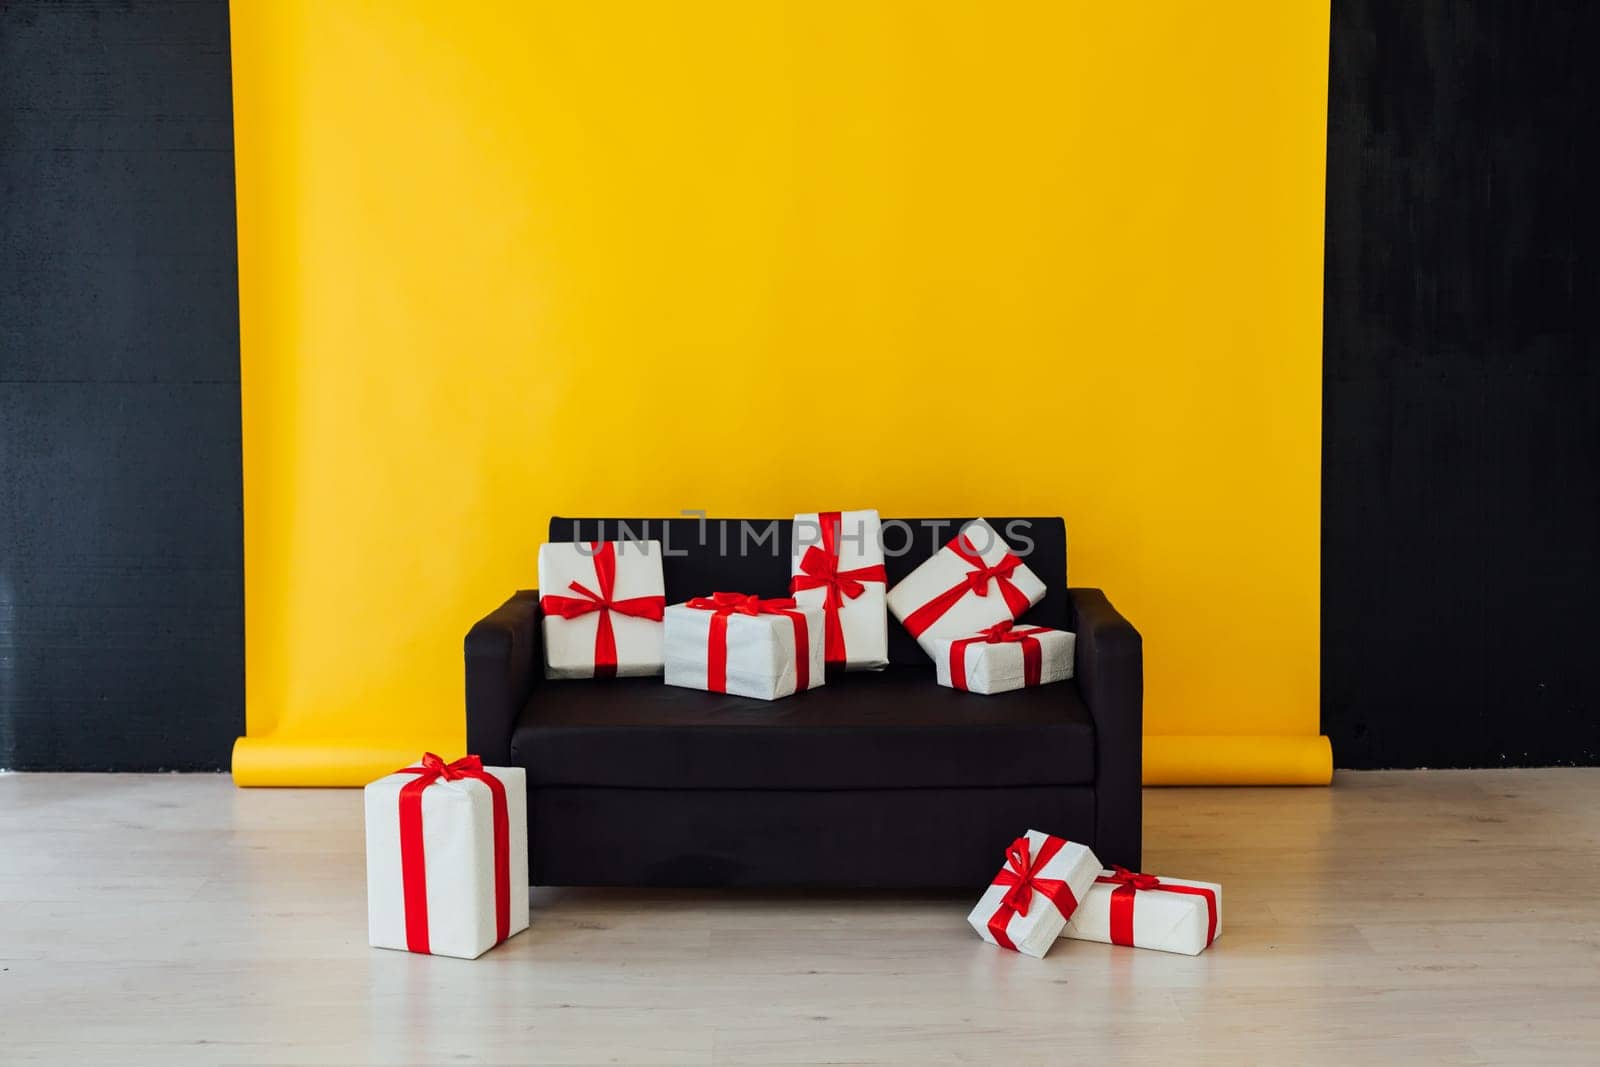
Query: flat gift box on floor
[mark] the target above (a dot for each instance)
(974, 581)
(838, 567)
(447, 857)
(744, 645)
(1144, 911)
(602, 603)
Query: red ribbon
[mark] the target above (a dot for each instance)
(413, 868)
(1001, 632)
(976, 581)
(1129, 885)
(605, 638)
(819, 569)
(1023, 878)
(722, 605)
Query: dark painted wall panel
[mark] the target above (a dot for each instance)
(121, 591)
(1461, 452)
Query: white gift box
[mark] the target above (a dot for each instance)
(838, 566)
(1170, 914)
(716, 643)
(438, 881)
(972, 582)
(1004, 657)
(1046, 875)
(613, 594)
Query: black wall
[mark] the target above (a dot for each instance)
(121, 599)
(1461, 449)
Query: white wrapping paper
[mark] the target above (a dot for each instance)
(945, 570)
(998, 667)
(458, 854)
(761, 651)
(569, 644)
(863, 621)
(1033, 934)
(1164, 920)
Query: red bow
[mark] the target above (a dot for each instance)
(721, 606)
(742, 604)
(1005, 630)
(1122, 876)
(1128, 884)
(605, 638)
(413, 865)
(976, 581)
(434, 768)
(819, 569)
(1023, 879)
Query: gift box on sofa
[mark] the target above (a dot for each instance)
(1004, 657)
(447, 857)
(838, 567)
(974, 581)
(744, 645)
(602, 608)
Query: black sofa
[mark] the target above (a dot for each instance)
(877, 779)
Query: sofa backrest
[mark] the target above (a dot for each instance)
(702, 556)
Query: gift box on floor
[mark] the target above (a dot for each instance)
(974, 581)
(1143, 911)
(602, 608)
(838, 566)
(1035, 893)
(1004, 657)
(744, 645)
(447, 857)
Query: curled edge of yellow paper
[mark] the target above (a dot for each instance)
(1237, 759)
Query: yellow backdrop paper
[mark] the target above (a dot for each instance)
(504, 260)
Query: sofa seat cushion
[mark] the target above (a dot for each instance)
(890, 730)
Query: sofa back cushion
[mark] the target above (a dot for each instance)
(702, 556)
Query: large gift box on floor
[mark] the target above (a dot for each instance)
(602, 604)
(1143, 911)
(1035, 893)
(1004, 657)
(744, 645)
(838, 567)
(972, 582)
(447, 857)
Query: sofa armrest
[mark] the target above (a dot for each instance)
(505, 659)
(1110, 674)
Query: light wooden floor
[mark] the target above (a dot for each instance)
(1441, 917)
